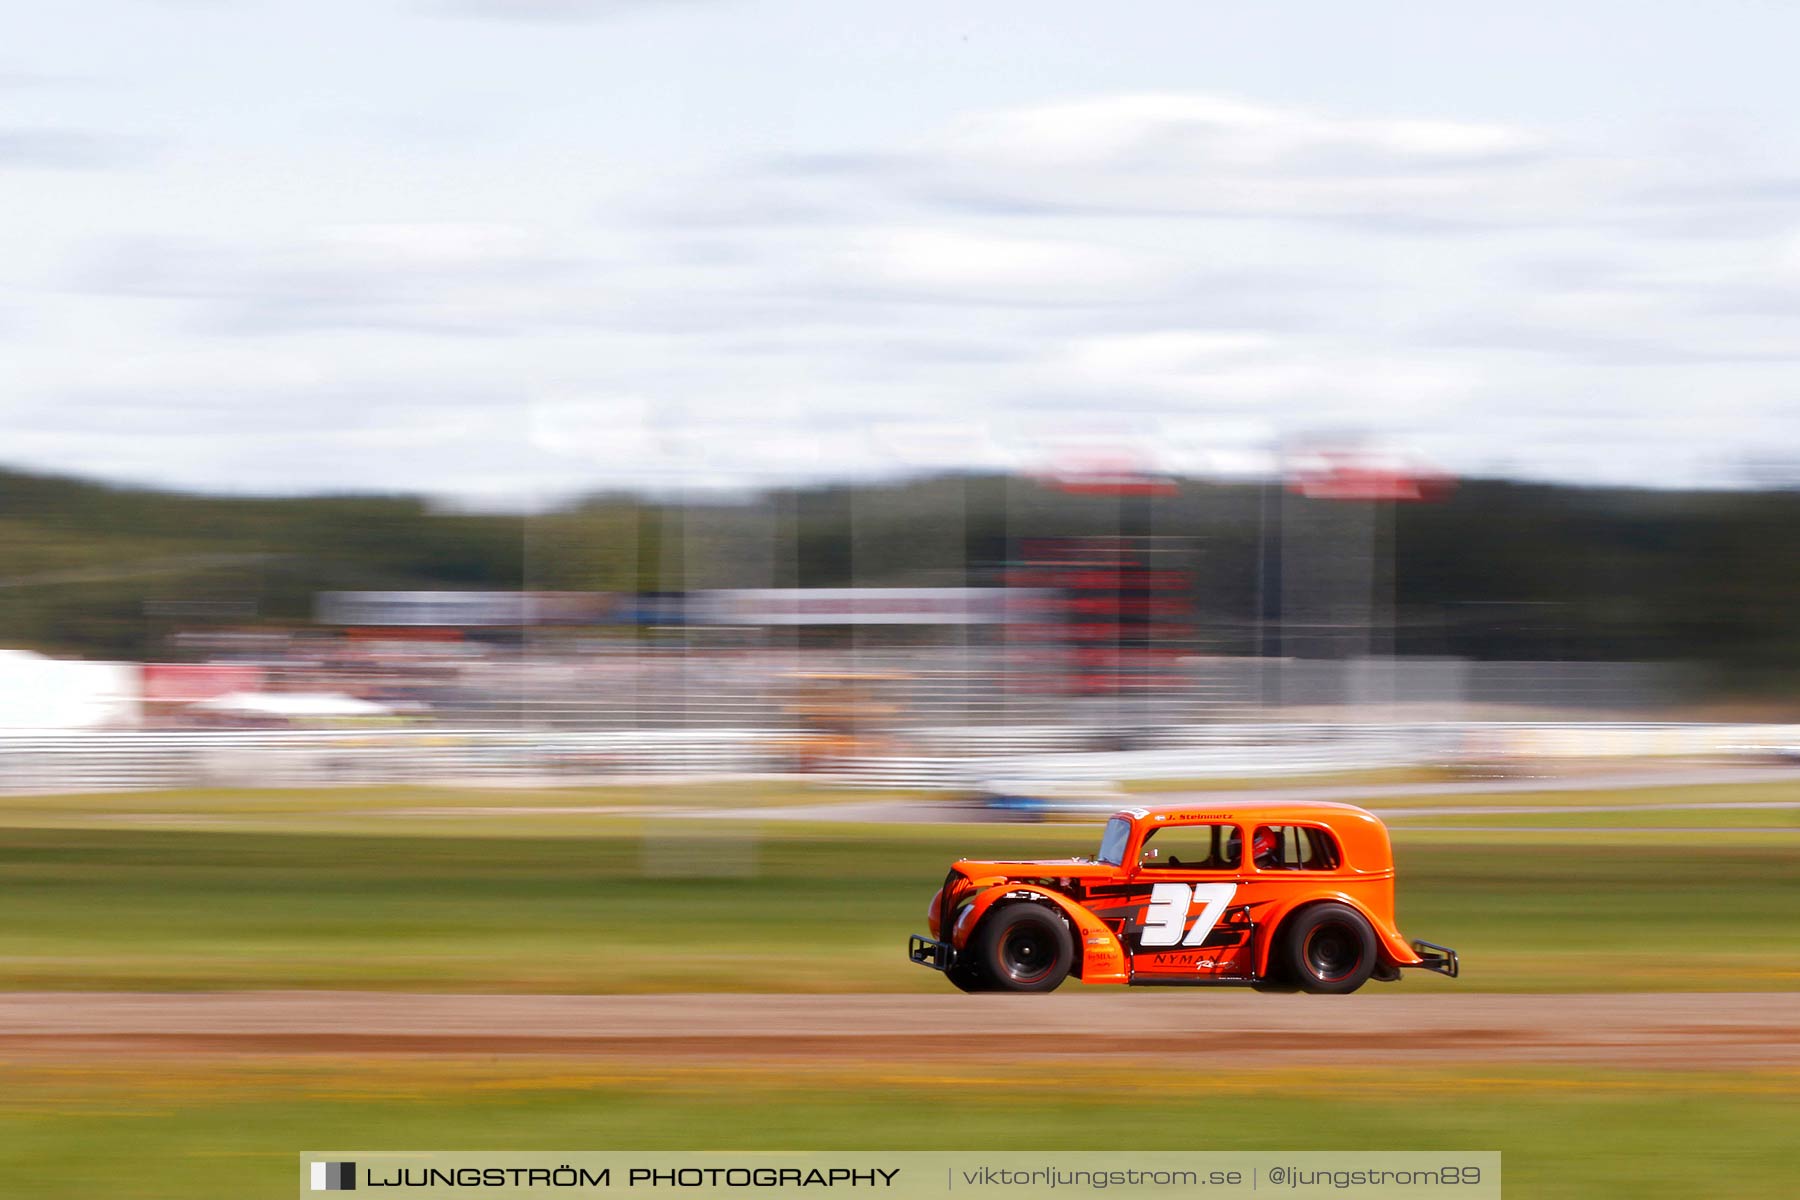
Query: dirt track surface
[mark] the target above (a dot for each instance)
(1639, 1030)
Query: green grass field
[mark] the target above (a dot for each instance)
(362, 889)
(309, 890)
(233, 1129)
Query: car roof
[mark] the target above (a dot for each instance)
(1272, 811)
(1360, 833)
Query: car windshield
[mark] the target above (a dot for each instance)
(1112, 842)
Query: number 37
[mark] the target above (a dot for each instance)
(1165, 917)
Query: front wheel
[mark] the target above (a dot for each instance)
(968, 977)
(1329, 949)
(1024, 948)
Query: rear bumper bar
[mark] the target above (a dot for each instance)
(929, 952)
(1441, 959)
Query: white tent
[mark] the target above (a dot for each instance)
(49, 694)
(291, 705)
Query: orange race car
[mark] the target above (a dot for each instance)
(1172, 897)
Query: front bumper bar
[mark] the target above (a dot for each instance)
(1441, 959)
(929, 952)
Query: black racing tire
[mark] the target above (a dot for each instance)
(1328, 949)
(1024, 948)
(968, 977)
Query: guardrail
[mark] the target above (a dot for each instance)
(923, 758)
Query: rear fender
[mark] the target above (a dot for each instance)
(1098, 956)
(1393, 949)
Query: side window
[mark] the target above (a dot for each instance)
(1192, 848)
(1294, 848)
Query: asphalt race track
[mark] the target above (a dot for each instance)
(1706, 1030)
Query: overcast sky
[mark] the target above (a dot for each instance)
(510, 249)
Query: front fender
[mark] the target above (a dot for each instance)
(1099, 958)
(1393, 948)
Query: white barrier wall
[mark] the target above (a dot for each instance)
(71, 762)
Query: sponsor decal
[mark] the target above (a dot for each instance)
(1169, 960)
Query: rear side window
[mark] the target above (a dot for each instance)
(1295, 848)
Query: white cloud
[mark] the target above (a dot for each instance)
(617, 432)
(399, 276)
(1197, 153)
(1222, 133)
(960, 264)
(68, 149)
(439, 245)
(536, 11)
(1166, 352)
(643, 269)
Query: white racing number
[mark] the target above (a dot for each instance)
(1165, 917)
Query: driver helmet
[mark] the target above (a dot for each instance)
(1266, 846)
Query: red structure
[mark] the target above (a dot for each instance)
(1107, 619)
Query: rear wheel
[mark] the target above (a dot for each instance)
(1328, 949)
(1024, 948)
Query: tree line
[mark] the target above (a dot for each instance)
(1497, 570)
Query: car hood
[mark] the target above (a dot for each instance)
(1034, 868)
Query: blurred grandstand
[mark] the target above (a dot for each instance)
(927, 634)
